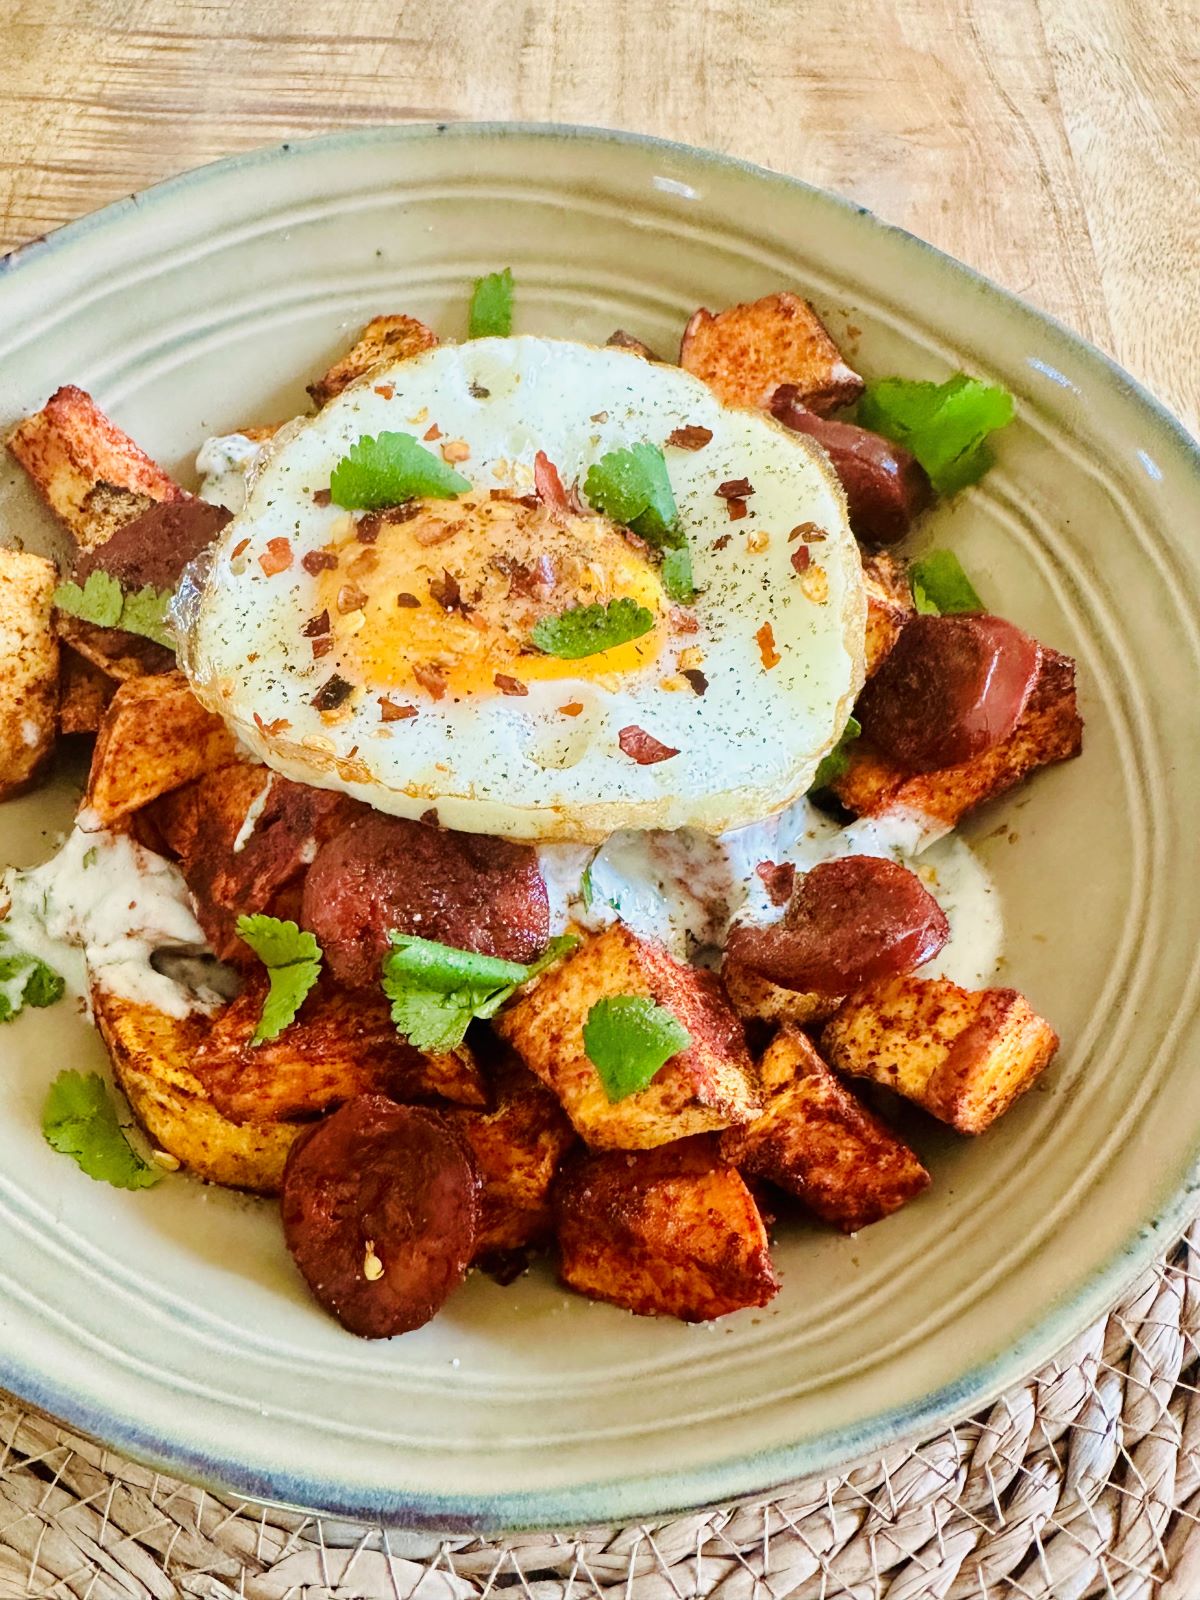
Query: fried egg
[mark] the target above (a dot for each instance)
(389, 654)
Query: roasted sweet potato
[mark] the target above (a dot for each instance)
(757, 999)
(817, 1141)
(672, 1232)
(517, 1149)
(383, 341)
(155, 737)
(340, 1045)
(706, 1087)
(91, 475)
(963, 1055)
(29, 681)
(84, 693)
(1050, 729)
(152, 1055)
(746, 352)
(889, 605)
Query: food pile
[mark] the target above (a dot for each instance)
(514, 808)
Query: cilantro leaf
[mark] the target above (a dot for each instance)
(945, 425)
(632, 487)
(677, 576)
(390, 469)
(627, 1038)
(102, 600)
(26, 981)
(437, 990)
(491, 312)
(586, 892)
(79, 1120)
(835, 763)
(586, 630)
(293, 961)
(940, 587)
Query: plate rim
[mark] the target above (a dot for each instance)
(611, 1500)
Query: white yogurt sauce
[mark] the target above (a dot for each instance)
(224, 463)
(97, 911)
(686, 888)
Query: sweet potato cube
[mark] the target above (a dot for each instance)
(820, 1143)
(383, 341)
(672, 1232)
(757, 999)
(889, 605)
(964, 1055)
(1050, 730)
(517, 1149)
(84, 693)
(155, 737)
(29, 682)
(705, 1087)
(746, 352)
(91, 475)
(341, 1044)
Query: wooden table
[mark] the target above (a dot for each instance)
(1054, 144)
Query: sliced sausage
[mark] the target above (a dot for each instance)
(155, 547)
(950, 689)
(849, 922)
(462, 889)
(886, 486)
(380, 1211)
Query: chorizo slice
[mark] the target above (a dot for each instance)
(849, 922)
(156, 546)
(462, 889)
(886, 486)
(380, 1212)
(952, 688)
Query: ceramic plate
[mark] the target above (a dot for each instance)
(171, 1324)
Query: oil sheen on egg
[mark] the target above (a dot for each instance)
(394, 661)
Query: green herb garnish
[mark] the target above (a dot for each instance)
(389, 469)
(491, 312)
(627, 1038)
(586, 630)
(835, 763)
(677, 576)
(945, 425)
(26, 981)
(292, 958)
(632, 487)
(940, 587)
(79, 1120)
(102, 600)
(436, 990)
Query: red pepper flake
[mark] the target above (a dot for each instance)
(690, 437)
(322, 646)
(643, 747)
(809, 531)
(318, 561)
(696, 678)
(801, 556)
(333, 693)
(737, 509)
(322, 497)
(432, 432)
(406, 601)
(280, 725)
(392, 711)
(316, 625)
(364, 562)
(446, 592)
(766, 647)
(508, 685)
(720, 543)
(387, 390)
(277, 557)
(350, 598)
(779, 879)
(735, 489)
(367, 529)
(572, 708)
(548, 484)
(430, 818)
(429, 677)
(239, 549)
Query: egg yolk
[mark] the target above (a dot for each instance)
(443, 595)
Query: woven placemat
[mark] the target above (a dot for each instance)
(1083, 1481)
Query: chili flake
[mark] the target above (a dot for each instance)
(332, 694)
(690, 437)
(766, 647)
(509, 685)
(391, 711)
(277, 557)
(643, 747)
(318, 561)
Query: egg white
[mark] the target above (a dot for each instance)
(518, 767)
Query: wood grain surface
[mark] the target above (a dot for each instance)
(1053, 144)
